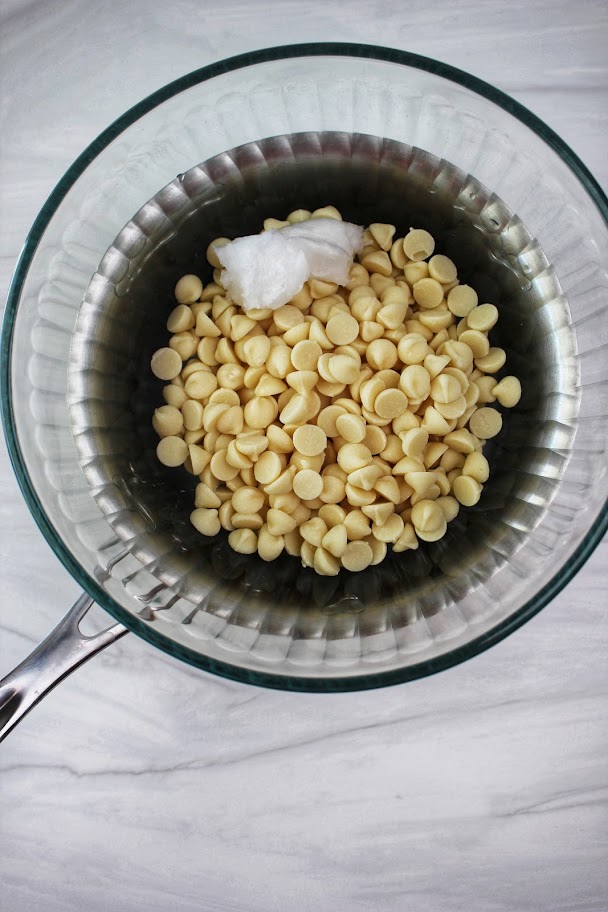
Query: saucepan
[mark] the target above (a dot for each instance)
(386, 136)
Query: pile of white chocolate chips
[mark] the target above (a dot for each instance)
(350, 418)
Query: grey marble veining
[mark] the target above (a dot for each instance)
(141, 783)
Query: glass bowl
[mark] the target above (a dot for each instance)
(386, 136)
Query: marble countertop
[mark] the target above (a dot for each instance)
(141, 783)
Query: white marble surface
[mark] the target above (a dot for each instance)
(142, 784)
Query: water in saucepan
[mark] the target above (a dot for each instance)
(408, 188)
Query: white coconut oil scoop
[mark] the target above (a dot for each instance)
(266, 270)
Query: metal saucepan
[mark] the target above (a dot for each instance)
(79, 395)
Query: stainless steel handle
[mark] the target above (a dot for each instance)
(64, 649)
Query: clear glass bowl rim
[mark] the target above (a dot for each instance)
(147, 632)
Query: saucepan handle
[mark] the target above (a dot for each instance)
(64, 649)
